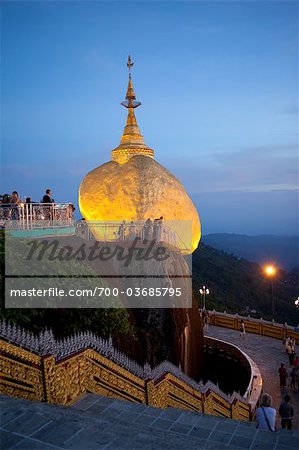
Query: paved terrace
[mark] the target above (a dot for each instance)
(268, 353)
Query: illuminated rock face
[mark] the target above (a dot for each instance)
(134, 187)
(139, 189)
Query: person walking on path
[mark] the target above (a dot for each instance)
(285, 332)
(205, 318)
(242, 330)
(283, 374)
(293, 376)
(286, 412)
(265, 414)
(291, 351)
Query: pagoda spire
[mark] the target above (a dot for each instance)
(131, 142)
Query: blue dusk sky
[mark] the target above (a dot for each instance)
(218, 86)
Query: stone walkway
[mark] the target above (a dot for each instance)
(103, 423)
(268, 353)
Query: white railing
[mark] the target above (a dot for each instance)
(28, 216)
(118, 231)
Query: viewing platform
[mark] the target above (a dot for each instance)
(52, 219)
(37, 219)
(27, 216)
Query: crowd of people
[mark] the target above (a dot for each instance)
(292, 377)
(266, 414)
(14, 208)
(14, 198)
(149, 230)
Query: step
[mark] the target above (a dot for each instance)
(96, 422)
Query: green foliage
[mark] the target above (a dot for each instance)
(63, 321)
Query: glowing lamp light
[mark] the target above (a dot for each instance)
(204, 291)
(270, 270)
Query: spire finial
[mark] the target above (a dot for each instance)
(130, 64)
(130, 101)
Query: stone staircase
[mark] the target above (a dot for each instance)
(96, 422)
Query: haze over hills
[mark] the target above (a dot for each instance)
(283, 251)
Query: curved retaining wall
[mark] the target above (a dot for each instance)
(254, 388)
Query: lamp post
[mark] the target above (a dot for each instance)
(270, 271)
(297, 302)
(204, 291)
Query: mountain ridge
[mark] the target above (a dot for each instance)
(282, 250)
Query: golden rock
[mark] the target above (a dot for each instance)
(134, 187)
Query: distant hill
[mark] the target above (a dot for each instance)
(237, 285)
(281, 250)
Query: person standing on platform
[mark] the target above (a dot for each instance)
(15, 203)
(48, 212)
(283, 374)
(286, 412)
(160, 229)
(47, 197)
(155, 230)
(265, 414)
(121, 231)
(147, 229)
(132, 231)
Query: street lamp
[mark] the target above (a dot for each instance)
(204, 291)
(297, 303)
(270, 271)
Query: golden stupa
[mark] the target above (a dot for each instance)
(134, 187)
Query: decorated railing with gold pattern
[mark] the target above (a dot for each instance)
(253, 325)
(43, 369)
